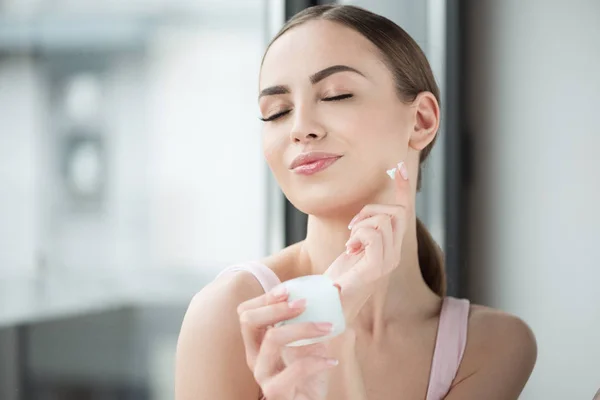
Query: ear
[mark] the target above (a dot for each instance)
(426, 120)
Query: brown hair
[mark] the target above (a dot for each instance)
(412, 74)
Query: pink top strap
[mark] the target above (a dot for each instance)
(449, 347)
(263, 274)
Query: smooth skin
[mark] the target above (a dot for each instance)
(228, 348)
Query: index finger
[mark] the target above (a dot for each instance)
(403, 186)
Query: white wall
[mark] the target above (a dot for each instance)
(534, 79)
(20, 101)
(186, 180)
(20, 7)
(186, 186)
(207, 171)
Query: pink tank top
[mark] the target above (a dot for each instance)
(450, 342)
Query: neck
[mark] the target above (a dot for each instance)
(402, 295)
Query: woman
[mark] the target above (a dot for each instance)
(347, 95)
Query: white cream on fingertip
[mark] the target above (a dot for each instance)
(392, 173)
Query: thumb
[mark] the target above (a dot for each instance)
(338, 267)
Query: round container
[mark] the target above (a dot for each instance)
(322, 305)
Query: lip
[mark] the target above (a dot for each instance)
(313, 162)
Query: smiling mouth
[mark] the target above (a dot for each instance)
(315, 166)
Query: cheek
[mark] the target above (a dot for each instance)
(379, 141)
(373, 131)
(273, 149)
(385, 126)
(367, 119)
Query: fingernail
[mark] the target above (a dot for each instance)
(332, 362)
(348, 249)
(338, 287)
(403, 171)
(352, 246)
(352, 222)
(324, 327)
(297, 303)
(279, 291)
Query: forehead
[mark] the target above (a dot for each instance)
(312, 46)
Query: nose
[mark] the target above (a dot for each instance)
(306, 130)
(305, 137)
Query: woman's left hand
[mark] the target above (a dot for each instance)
(375, 246)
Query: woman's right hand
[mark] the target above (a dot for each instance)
(374, 249)
(284, 373)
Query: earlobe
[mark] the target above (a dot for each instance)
(426, 115)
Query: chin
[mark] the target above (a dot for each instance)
(330, 201)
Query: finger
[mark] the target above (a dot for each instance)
(404, 197)
(356, 278)
(271, 314)
(277, 294)
(255, 315)
(340, 266)
(275, 339)
(292, 353)
(371, 210)
(403, 187)
(255, 322)
(286, 382)
(368, 268)
(367, 238)
(381, 222)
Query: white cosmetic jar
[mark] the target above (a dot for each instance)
(322, 305)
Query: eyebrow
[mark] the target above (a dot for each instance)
(314, 79)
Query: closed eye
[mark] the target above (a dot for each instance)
(282, 113)
(275, 116)
(338, 98)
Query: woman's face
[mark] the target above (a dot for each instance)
(351, 112)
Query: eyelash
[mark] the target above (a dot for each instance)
(282, 113)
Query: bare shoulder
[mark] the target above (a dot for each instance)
(210, 350)
(500, 334)
(216, 304)
(500, 354)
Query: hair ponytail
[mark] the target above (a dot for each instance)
(431, 260)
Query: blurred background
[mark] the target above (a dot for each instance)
(116, 117)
